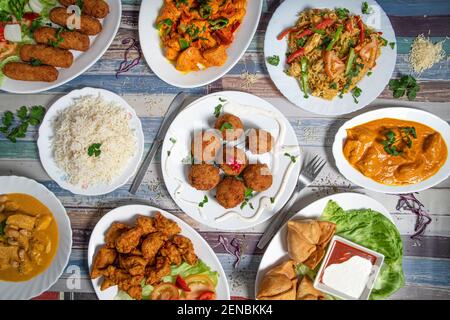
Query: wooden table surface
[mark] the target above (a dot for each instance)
(426, 262)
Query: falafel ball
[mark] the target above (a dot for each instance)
(205, 146)
(230, 192)
(259, 141)
(230, 126)
(258, 177)
(204, 176)
(233, 161)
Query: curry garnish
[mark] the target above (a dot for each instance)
(203, 202)
(94, 150)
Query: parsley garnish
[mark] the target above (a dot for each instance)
(222, 100)
(202, 203)
(173, 140)
(248, 195)
(184, 44)
(59, 38)
(365, 8)
(342, 13)
(293, 158)
(388, 144)
(218, 110)
(406, 85)
(27, 116)
(94, 149)
(274, 60)
(356, 94)
(392, 45)
(272, 199)
(226, 126)
(35, 62)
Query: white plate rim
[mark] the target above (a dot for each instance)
(101, 52)
(166, 142)
(411, 114)
(132, 211)
(44, 281)
(147, 50)
(366, 201)
(44, 143)
(288, 85)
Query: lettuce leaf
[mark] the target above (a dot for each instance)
(372, 230)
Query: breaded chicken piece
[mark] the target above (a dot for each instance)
(161, 269)
(186, 249)
(166, 226)
(104, 258)
(107, 283)
(147, 224)
(171, 251)
(130, 282)
(135, 292)
(151, 245)
(134, 265)
(129, 240)
(114, 232)
(115, 275)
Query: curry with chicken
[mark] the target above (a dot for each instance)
(395, 152)
(28, 237)
(196, 33)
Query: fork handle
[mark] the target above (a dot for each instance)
(280, 218)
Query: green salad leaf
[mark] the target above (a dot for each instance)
(372, 230)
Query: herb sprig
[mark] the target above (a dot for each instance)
(274, 60)
(203, 202)
(94, 150)
(27, 116)
(405, 85)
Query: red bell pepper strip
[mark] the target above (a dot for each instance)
(2, 34)
(181, 283)
(304, 33)
(235, 26)
(349, 25)
(286, 32)
(362, 31)
(325, 23)
(295, 55)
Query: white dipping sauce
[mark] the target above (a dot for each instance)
(349, 277)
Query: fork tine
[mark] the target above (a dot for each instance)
(311, 163)
(317, 171)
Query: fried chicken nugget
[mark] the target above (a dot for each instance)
(104, 258)
(46, 55)
(70, 40)
(95, 8)
(114, 231)
(129, 240)
(147, 224)
(151, 245)
(166, 226)
(161, 269)
(134, 265)
(27, 72)
(88, 25)
(171, 251)
(186, 248)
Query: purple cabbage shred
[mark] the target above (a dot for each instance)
(233, 247)
(409, 202)
(127, 65)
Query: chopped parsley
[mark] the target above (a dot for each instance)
(365, 8)
(222, 100)
(248, 195)
(342, 13)
(94, 150)
(405, 85)
(392, 45)
(226, 126)
(27, 116)
(356, 94)
(58, 37)
(173, 140)
(203, 202)
(184, 44)
(35, 62)
(301, 42)
(272, 199)
(218, 110)
(388, 144)
(274, 60)
(293, 158)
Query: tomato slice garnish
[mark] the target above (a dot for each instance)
(2, 34)
(208, 295)
(181, 283)
(165, 291)
(199, 284)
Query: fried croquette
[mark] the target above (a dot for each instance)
(70, 40)
(94, 8)
(258, 177)
(230, 192)
(205, 146)
(230, 126)
(27, 72)
(88, 25)
(46, 55)
(233, 161)
(204, 176)
(259, 141)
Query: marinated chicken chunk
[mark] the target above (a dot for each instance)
(152, 244)
(114, 232)
(128, 240)
(166, 226)
(104, 258)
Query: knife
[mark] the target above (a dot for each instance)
(172, 112)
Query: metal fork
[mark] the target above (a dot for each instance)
(307, 175)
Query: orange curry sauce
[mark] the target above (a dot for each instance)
(395, 152)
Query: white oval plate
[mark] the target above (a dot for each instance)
(200, 115)
(127, 214)
(42, 282)
(353, 175)
(286, 16)
(82, 60)
(165, 70)
(46, 151)
(276, 251)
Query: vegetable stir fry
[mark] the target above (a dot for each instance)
(330, 51)
(196, 33)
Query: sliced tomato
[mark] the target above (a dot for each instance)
(2, 34)
(165, 291)
(199, 284)
(181, 283)
(333, 65)
(207, 295)
(31, 16)
(200, 278)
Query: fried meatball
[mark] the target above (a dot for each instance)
(230, 126)
(233, 161)
(258, 177)
(230, 192)
(204, 176)
(259, 141)
(205, 146)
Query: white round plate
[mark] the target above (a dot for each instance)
(46, 150)
(127, 214)
(200, 115)
(353, 175)
(287, 15)
(276, 251)
(42, 282)
(165, 70)
(82, 60)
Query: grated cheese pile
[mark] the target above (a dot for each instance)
(424, 54)
(92, 120)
